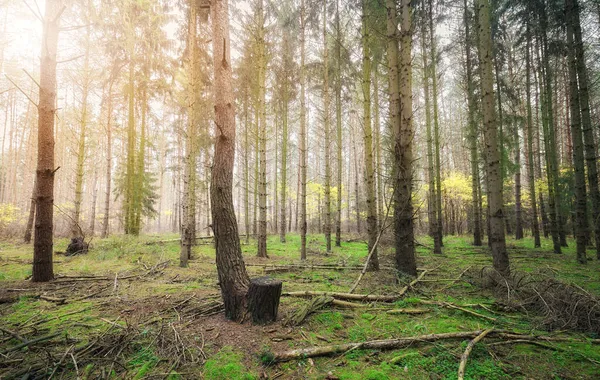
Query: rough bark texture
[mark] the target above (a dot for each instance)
(262, 109)
(368, 140)
(263, 299)
(327, 127)
(436, 130)
(535, 226)
(109, 109)
(586, 123)
(432, 197)
(494, 190)
(303, 226)
(473, 133)
(578, 157)
(233, 278)
(42, 252)
(338, 121)
(31, 218)
(402, 113)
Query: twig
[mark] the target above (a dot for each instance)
(60, 362)
(23, 92)
(343, 296)
(457, 279)
(465, 355)
(13, 334)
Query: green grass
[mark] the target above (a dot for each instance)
(133, 302)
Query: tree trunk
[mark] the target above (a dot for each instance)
(303, 150)
(530, 165)
(233, 278)
(473, 133)
(576, 133)
(327, 127)
(42, 251)
(338, 120)
(368, 139)
(401, 113)
(94, 200)
(104, 233)
(497, 238)
(436, 129)
(31, 218)
(586, 122)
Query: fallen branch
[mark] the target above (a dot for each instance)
(456, 280)
(407, 311)
(413, 282)
(465, 355)
(343, 296)
(547, 346)
(30, 342)
(456, 307)
(388, 344)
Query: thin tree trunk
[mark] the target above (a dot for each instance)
(327, 127)
(576, 133)
(109, 109)
(473, 134)
(31, 218)
(303, 149)
(338, 120)
(436, 128)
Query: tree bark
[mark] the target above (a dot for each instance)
(327, 127)
(338, 120)
(42, 251)
(303, 149)
(497, 238)
(576, 133)
(368, 140)
(262, 109)
(233, 278)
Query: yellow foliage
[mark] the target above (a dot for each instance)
(9, 213)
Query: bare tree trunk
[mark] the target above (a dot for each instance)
(31, 218)
(401, 113)
(42, 252)
(109, 109)
(338, 120)
(588, 133)
(497, 238)
(233, 278)
(303, 149)
(262, 109)
(368, 139)
(327, 127)
(530, 162)
(473, 134)
(576, 133)
(94, 200)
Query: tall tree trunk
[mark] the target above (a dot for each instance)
(327, 127)
(530, 164)
(400, 94)
(497, 238)
(549, 136)
(377, 135)
(262, 110)
(431, 162)
(303, 149)
(473, 133)
(368, 139)
(338, 120)
(436, 128)
(76, 229)
(109, 109)
(94, 201)
(576, 133)
(284, 143)
(246, 167)
(42, 251)
(233, 278)
(586, 122)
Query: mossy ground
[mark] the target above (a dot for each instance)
(148, 321)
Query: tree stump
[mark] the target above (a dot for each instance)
(263, 299)
(77, 247)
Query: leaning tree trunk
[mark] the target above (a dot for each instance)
(497, 238)
(233, 278)
(42, 251)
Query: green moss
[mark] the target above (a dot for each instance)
(226, 365)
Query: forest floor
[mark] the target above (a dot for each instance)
(127, 310)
